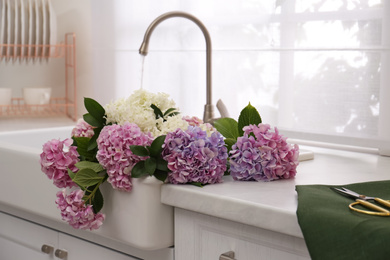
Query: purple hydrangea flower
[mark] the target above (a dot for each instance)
(114, 152)
(76, 212)
(245, 160)
(192, 156)
(56, 158)
(82, 129)
(265, 155)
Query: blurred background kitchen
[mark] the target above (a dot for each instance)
(315, 69)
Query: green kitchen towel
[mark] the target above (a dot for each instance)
(332, 231)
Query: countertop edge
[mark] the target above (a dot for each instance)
(274, 219)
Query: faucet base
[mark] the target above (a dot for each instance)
(208, 114)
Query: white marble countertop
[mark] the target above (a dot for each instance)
(273, 205)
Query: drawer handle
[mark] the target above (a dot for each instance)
(61, 254)
(227, 256)
(47, 249)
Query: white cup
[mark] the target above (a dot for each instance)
(5, 96)
(36, 96)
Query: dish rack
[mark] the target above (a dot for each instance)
(57, 106)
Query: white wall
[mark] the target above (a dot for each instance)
(109, 34)
(75, 16)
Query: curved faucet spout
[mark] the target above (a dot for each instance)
(209, 110)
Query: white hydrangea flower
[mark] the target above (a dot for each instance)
(170, 125)
(136, 109)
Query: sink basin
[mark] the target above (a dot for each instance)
(138, 218)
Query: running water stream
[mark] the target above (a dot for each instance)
(142, 64)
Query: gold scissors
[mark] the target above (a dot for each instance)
(363, 200)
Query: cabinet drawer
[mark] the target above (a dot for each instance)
(199, 236)
(20, 239)
(80, 249)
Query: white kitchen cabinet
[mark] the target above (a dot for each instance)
(81, 249)
(21, 239)
(199, 236)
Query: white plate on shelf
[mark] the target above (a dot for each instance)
(31, 28)
(53, 28)
(17, 26)
(10, 27)
(38, 28)
(24, 28)
(46, 28)
(3, 24)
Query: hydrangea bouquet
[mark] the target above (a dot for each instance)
(256, 151)
(143, 135)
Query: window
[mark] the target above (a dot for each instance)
(316, 69)
(332, 80)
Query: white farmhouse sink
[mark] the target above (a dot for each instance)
(138, 218)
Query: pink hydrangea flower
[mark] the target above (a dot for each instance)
(76, 212)
(265, 156)
(193, 121)
(114, 152)
(82, 129)
(196, 121)
(56, 158)
(192, 156)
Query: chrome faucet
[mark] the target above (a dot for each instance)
(208, 116)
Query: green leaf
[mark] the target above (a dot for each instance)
(86, 178)
(139, 150)
(97, 201)
(71, 174)
(171, 112)
(161, 164)
(92, 145)
(139, 170)
(150, 165)
(174, 114)
(92, 120)
(197, 184)
(155, 148)
(88, 193)
(157, 111)
(229, 143)
(160, 175)
(227, 172)
(95, 109)
(96, 167)
(248, 116)
(228, 127)
(82, 148)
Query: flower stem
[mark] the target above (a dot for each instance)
(88, 199)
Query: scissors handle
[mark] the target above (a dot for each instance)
(383, 202)
(378, 211)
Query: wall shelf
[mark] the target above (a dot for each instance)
(57, 106)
